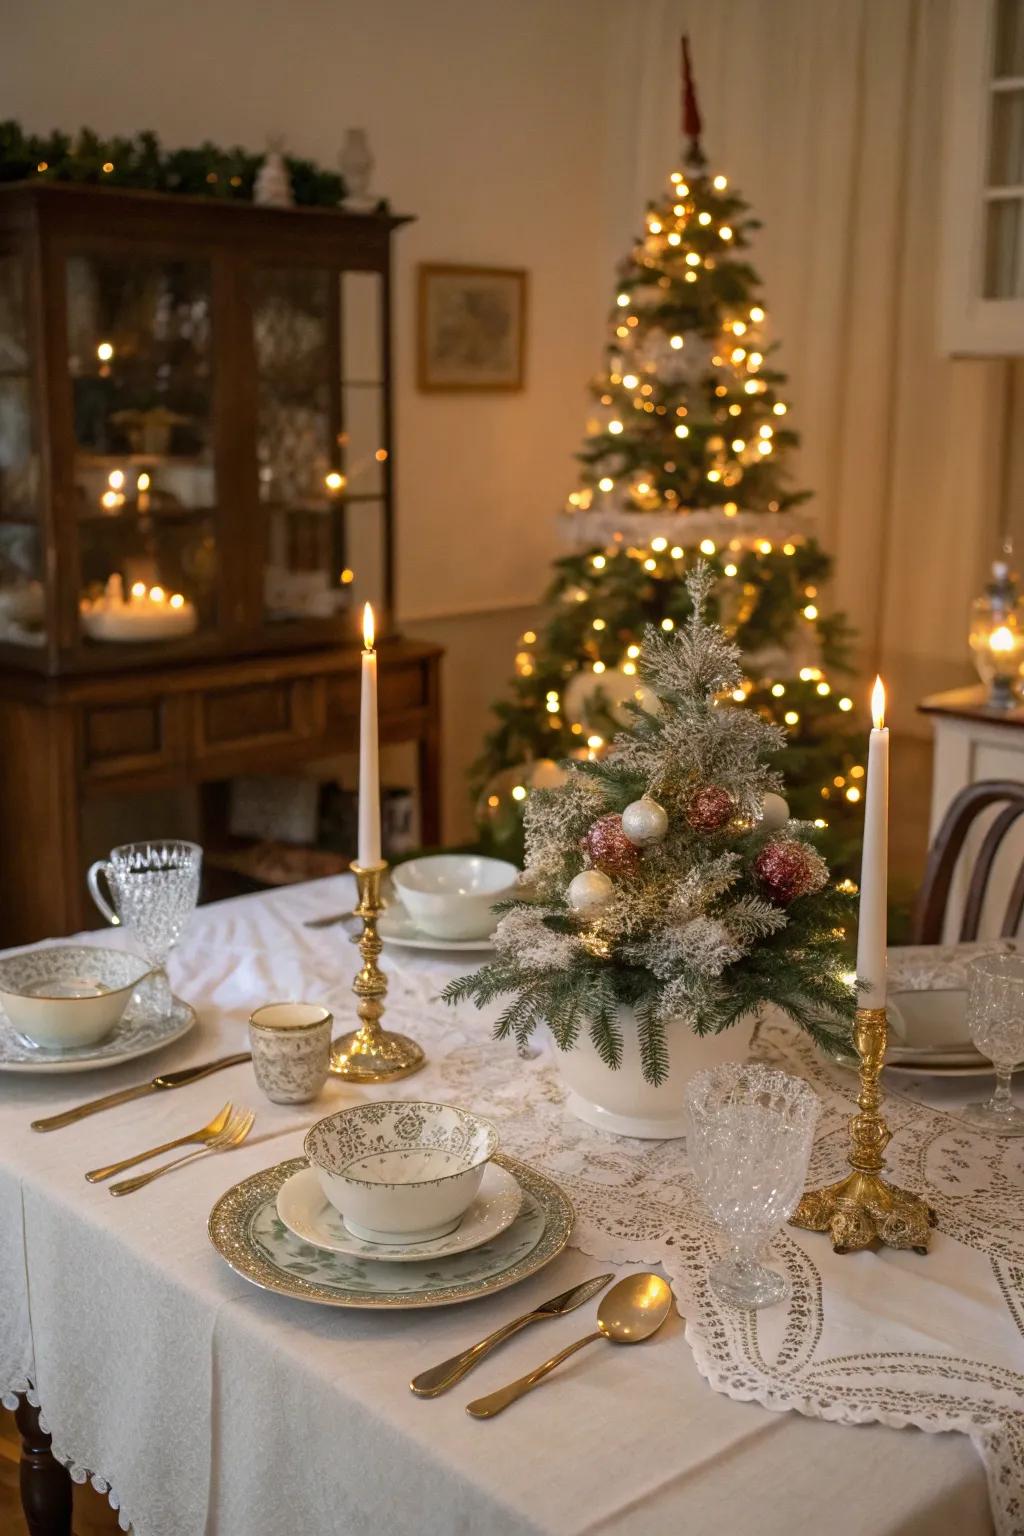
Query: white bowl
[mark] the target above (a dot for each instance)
(401, 1171)
(69, 995)
(450, 895)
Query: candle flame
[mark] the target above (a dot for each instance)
(878, 704)
(368, 630)
(1002, 641)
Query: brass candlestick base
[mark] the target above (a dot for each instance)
(371, 1054)
(863, 1207)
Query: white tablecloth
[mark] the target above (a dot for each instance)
(212, 1407)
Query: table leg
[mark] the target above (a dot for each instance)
(45, 1484)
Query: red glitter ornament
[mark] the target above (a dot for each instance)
(710, 809)
(788, 869)
(608, 847)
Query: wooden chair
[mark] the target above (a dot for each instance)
(964, 809)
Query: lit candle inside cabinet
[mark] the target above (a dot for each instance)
(872, 922)
(147, 613)
(369, 755)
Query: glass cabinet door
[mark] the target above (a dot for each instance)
(321, 449)
(364, 432)
(22, 601)
(139, 356)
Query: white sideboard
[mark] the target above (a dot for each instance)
(974, 742)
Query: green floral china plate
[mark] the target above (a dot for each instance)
(247, 1232)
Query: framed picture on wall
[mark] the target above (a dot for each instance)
(472, 328)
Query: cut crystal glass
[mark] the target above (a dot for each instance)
(749, 1137)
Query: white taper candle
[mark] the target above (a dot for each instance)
(874, 865)
(369, 755)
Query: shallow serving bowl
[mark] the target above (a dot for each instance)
(450, 895)
(69, 995)
(401, 1171)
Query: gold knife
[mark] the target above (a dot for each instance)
(440, 1377)
(125, 1095)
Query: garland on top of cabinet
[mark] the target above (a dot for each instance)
(142, 162)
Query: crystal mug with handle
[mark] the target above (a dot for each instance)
(154, 888)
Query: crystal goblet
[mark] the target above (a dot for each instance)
(995, 1022)
(749, 1135)
(155, 887)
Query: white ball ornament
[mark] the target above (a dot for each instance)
(774, 812)
(645, 822)
(589, 892)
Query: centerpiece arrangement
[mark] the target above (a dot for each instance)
(668, 895)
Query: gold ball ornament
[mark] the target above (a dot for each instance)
(774, 812)
(645, 822)
(589, 892)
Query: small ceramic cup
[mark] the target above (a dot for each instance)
(291, 1050)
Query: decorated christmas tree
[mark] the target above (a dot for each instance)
(685, 457)
(666, 878)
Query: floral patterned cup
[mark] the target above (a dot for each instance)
(291, 1050)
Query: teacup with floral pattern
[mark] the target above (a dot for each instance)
(291, 1050)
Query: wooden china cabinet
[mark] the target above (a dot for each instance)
(195, 502)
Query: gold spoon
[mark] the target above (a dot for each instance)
(629, 1313)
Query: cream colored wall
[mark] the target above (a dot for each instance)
(487, 122)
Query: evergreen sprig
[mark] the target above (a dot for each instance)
(141, 162)
(695, 930)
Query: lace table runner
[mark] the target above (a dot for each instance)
(934, 1341)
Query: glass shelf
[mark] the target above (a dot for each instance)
(145, 486)
(318, 341)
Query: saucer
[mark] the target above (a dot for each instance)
(305, 1211)
(142, 1029)
(397, 927)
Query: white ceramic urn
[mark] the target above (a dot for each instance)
(621, 1101)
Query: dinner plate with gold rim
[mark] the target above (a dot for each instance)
(139, 1031)
(248, 1233)
(981, 1068)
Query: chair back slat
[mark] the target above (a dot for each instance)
(982, 871)
(1014, 907)
(963, 811)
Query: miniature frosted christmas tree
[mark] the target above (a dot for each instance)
(667, 878)
(272, 187)
(685, 457)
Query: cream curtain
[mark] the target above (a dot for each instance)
(828, 115)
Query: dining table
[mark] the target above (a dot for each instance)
(886, 1398)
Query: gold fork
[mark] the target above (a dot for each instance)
(204, 1134)
(233, 1134)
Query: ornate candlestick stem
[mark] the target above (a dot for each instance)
(863, 1206)
(371, 1054)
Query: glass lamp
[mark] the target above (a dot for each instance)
(997, 637)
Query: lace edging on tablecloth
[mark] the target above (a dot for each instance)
(79, 1474)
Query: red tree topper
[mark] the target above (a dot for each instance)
(692, 124)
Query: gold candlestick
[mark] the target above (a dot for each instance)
(863, 1206)
(371, 1054)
